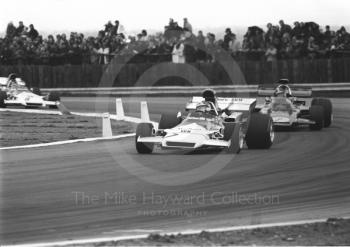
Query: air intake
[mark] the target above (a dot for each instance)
(180, 144)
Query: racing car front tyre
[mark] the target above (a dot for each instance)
(168, 121)
(260, 133)
(144, 130)
(3, 97)
(233, 132)
(53, 96)
(327, 110)
(317, 115)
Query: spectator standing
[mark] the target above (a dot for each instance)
(33, 33)
(328, 34)
(271, 59)
(187, 26)
(296, 31)
(143, 37)
(173, 30)
(284, 28)
(200, 46)
(178, 52)
(165, 49)
(227, 39)
(20, 29)
(285, 47)
(108, 27)
(245, 45)
(187, 29)
(11, 30)
(210, 47)
(114, 29)
(296, 46)
(189, 50)
(271, 53)
(235, 45)
(269, 31)
(104, 53)
(312, 48)
(341, 35)
(94, 53)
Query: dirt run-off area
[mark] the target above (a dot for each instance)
(28, 128)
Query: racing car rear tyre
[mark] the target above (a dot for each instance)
(144, 130)
(53, 96)
(327, 110)
(260, 133)
(317, 115)
(3, 96)
(233, 132)
(168, 121)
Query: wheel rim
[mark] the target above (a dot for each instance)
(241, 138)
(272, 133)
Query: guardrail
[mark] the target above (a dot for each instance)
(318, 89)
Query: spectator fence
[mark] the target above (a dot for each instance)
(255, 72)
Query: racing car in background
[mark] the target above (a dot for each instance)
(21, 95)
(292, 105)
(209, 121)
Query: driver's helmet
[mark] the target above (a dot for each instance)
(12, 82)
(12, 76)
(282, 90)
(209, 95)
(204, 108)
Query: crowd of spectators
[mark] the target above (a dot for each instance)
(23, 45)
(302, 40)
(178, 43)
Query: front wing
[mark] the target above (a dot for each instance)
(284, 121)
(182, 143)
(39, 103)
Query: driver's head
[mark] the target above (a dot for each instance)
(209, 95)
(12, 76)
(203, 107)
(281, 91)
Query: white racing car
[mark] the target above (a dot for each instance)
(292, 106)
(14, 92)
(225, 123)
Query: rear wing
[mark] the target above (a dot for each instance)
(297, 91)
(231, 104)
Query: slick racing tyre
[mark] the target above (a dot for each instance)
(144, 130)
(53, 96)
(3, 97)
(327, 110)
(316, 115)
(168, 121)
(233, 132)
(260, 133)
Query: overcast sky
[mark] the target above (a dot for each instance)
(85, 15)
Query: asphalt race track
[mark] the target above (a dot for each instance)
(65, 192)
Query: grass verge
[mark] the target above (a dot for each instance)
(27, 128)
